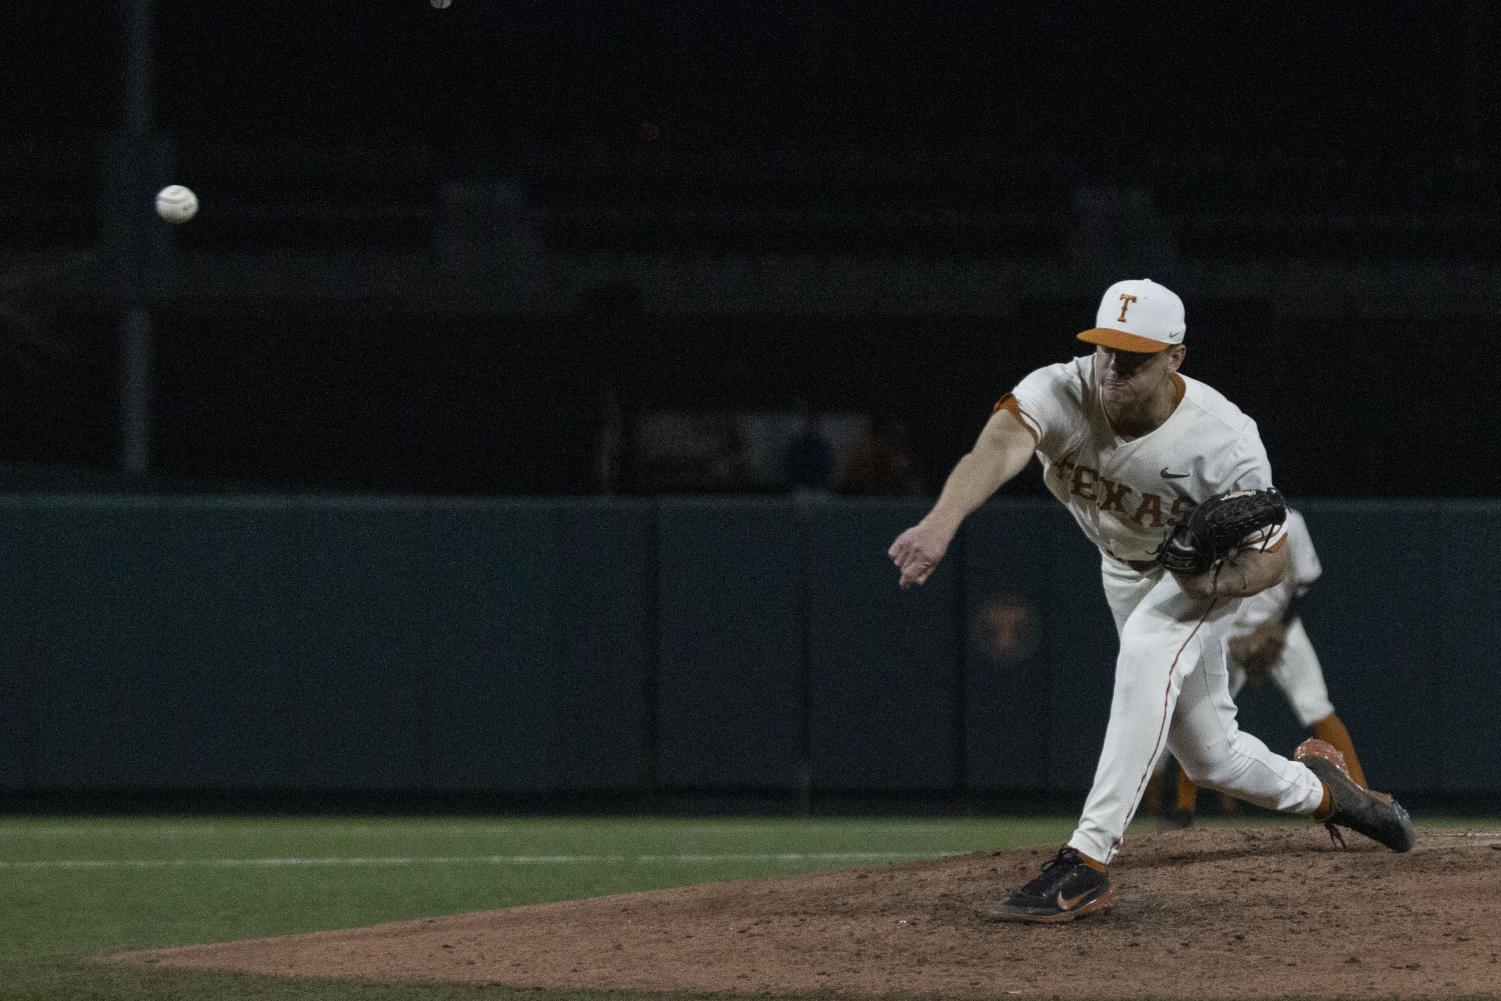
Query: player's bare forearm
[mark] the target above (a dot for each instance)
(1003, 450)
(1249, 572)
(973, 479)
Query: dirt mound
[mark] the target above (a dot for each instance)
(1253, 913)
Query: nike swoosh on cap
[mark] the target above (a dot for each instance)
(1172, 476)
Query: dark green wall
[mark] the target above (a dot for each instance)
(628, 646)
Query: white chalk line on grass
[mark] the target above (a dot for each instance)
(402, 826)
(491, 860)
(249, 829)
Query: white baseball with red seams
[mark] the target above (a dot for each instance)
(176, 203)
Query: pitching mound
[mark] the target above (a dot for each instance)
(1254, 913)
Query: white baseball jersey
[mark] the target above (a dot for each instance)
(1127, 493)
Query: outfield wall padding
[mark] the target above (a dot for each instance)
(729, 669)
(627, 646)
(883, 665)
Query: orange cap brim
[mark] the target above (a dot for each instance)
(1122, 341)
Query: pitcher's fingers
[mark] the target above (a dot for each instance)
(915, 575)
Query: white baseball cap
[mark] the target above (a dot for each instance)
(1137, 315)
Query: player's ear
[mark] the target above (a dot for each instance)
(1175, 359)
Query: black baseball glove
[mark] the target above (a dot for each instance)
(1220, 526)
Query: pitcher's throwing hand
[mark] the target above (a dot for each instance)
(916, 553)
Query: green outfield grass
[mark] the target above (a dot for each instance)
(73, 887)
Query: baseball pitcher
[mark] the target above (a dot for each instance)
(1171, 482)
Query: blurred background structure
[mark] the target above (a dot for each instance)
(515, 252)
(431, 239)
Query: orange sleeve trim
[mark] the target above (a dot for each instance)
(1008, 403)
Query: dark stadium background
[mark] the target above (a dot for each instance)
(1360, 141)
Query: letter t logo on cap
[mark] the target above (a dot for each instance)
(1126, 301)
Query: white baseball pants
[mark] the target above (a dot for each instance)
(1172, 692)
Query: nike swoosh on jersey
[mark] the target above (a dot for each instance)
(1172, 476)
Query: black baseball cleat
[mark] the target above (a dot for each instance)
(1374, 814)
(1066, 890)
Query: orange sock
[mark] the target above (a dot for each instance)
(1094, 864)
(1188, 793)
(1332, 730)
(1151, 800)
(1326, 805)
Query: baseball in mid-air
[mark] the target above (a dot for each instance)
(441, 4)
(176, 203)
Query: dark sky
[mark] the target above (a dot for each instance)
(488, 79)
